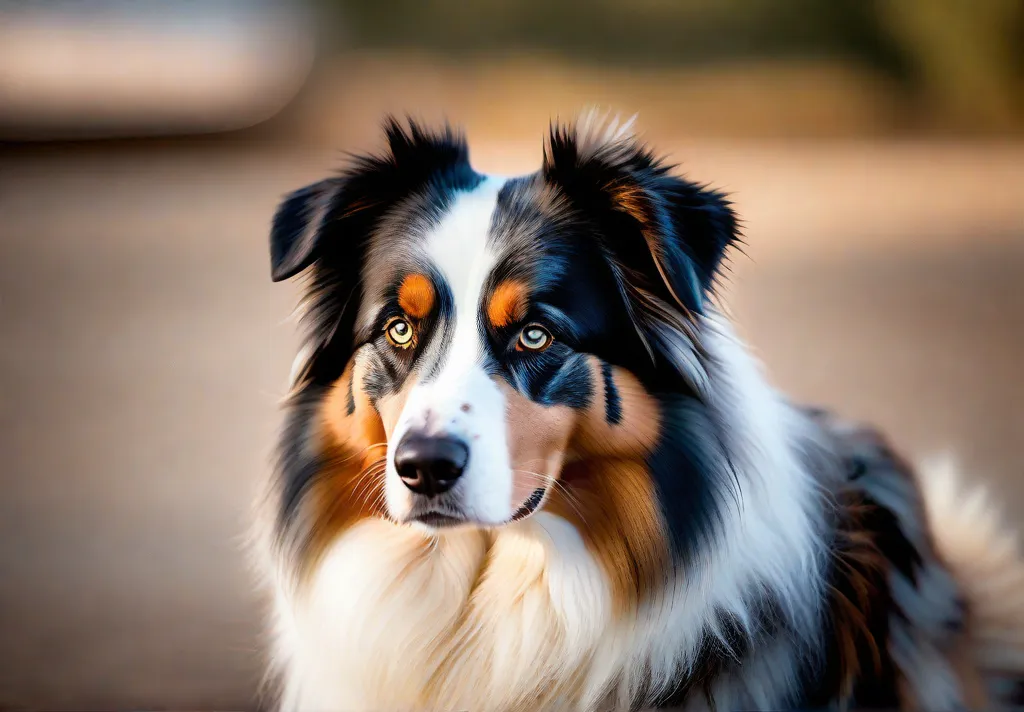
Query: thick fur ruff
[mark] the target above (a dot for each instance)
(615, 511)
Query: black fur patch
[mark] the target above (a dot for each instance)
(692, 474)
(298, 463)
(1016, 697)
(570, 385)
(612, 401)
(350, 397)
(668, 230)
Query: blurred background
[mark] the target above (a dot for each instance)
(874, 148)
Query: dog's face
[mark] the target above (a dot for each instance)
(479, 347)
(482, 331)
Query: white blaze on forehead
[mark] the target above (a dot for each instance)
(459, 247)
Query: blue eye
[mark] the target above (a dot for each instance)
(534, 337)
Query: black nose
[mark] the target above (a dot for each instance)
(430, 465)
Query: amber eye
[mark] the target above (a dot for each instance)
(399, 333)
(534, 338)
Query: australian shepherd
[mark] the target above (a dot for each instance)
(528, 465)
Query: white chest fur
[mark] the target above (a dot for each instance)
(472, 620)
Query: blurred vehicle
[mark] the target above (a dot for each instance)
(111, 68)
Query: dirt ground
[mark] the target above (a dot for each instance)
(143, 351)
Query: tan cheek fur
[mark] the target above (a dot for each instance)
(605, 490)
(537, 441)
(390, 407)
(636, 433)
(349, 487)
(608, 493)
(612, 503)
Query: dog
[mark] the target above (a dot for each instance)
(527, 464)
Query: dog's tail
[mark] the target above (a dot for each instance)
(984, 555)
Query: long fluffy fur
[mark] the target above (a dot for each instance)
(533, 593)
(984, 554)
(817, 570)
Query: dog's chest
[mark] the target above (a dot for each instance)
(471, 620)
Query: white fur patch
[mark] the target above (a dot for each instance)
(462, 400)
(602, 134)
(381, 602)
(395, 620)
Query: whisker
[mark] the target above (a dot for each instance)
(365, 480)
(368, 484)
(572, 500)
(380, 501)
(554, 483)
(370, 498)
(358, 453)
(534, 477)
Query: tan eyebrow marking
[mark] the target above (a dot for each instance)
(416, 296)
(508, 303)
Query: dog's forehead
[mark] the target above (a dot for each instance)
(458, 238)
(461, 248)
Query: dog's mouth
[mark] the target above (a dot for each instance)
(436, 519)
(531, 504)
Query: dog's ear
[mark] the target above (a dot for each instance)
(662, 227)
(327, 228)
(352, 201)
(298, 226)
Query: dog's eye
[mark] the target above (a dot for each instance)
(534, 338)
(399, 333)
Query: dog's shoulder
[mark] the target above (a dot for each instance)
(893, 609)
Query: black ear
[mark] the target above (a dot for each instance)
(414, 157)
(660, 226)
(703, 225)
(297, 227)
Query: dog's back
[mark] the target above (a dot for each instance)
(926, 590)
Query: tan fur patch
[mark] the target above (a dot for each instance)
(349, 486)
(854, 596)
(416, 296)
(604, 489)
(537, 440)
(631, 200)
(971, 681)
(612, 503)
(508, 303)
(636, 433)
(390, 406)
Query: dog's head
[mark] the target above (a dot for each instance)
(480, 348)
